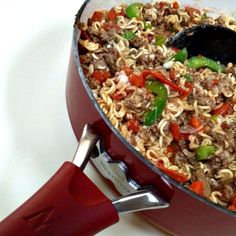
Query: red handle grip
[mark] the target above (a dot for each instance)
(68, 204)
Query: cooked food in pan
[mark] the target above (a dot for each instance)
(179, 112)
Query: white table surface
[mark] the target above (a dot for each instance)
(35, 133)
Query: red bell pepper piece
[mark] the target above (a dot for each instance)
(192, 11)
(232, 207)
(133, 125)
(136, 80)
(179, 177)
(101, 75)
(97, 16)
(175, 5)
(222, 110)
(197, 187)
(128, 71)
(175, 131)
(110, 25)
(159, 76)
(196, 123)
(172, 73)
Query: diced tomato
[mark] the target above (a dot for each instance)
(215, 82)
(175, 5)
(136, 80)
(196, 123)
(133, 125)
(84, 35)
(175, 49)
(117, 96)
(232, 207)
(97, 16)
(112, 14)
(101, 75)
(110, 25)
(192, 11)
(172, 73)
(150, 37)
(128, 71)
(175, 131)
(170, 149)
(197, 187)
(222, 110)
(161, 4)
(179, 177)
(224, 126)
(82, 58)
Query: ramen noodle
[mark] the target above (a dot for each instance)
(182, 118)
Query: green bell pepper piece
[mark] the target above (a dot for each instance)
(160, 40)
(129, 35)
(133, 10)
(181, 55)
(198, 62)
(204, 152)
(158, 104)
(147, 25)
(189, 78)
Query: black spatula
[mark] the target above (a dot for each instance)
(213, 41)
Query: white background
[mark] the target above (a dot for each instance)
(35, 132)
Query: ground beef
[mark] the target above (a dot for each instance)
(204, 100)
(150, 61)
(109, 56)
(228, 193)
(200, 175)
(138, 102)
(93, 34)
(138, 42)
(215, 164)
(107, 36)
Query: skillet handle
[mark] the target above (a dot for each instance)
(68, 204)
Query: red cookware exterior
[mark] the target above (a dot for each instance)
(188, 213)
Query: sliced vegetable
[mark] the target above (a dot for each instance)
(101, 75)
(179, 177)
(133, 125)
(175, 5)
(159, 76)
(110, 25)
(196, 123)
(147, 25)
(197, 187)
(136, 80)
(172, 73)
(160, 40)
(129, 35)
(175, 131)
(232, 207)
(134, 10)
(214, 118)
(128, 71)
(117, 96)
(204, 152)
(222, 110)
(192, 11)
(158, 104)
(189, 78)
(181, 55)
(170, 149)
(199, 62)
(97, 16)
(112, 14)
(204, 16)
